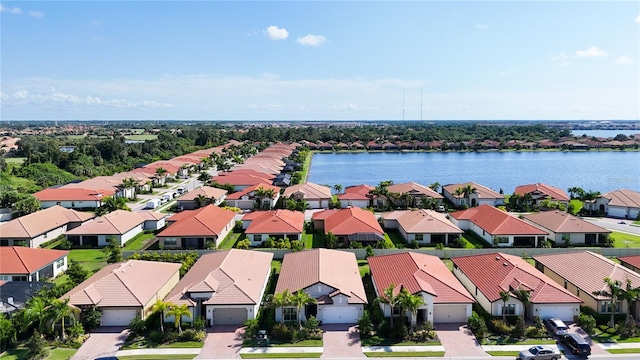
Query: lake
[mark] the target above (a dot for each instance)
(598, 171)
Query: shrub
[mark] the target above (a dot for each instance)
(76, 331)
(35, 347)
(500, 327)
(477, 325)
(281, 332)
(458, 243)
(439, 246)
(587, 323)
(156, 337)
(519, 329)
(369, 250)
(138, 326)
(365, 326)
(91, 318)
(198, 323)
(192, 335)
(399, 330)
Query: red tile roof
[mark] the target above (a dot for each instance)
(349, 221)
(496, 222)
(116, 222)
(496, 272)
(276, 222)
(240, 179)
(418, 272)
(633, 260)
(40, 222)
(72, 194)
(562, 222)
(239, 194)
(587, 270)
(249, 172)
(356, 192)
(309, 191)
(23, 260)
(553, 192)
(414, 189)
(422, 221)
(623, 198)
(206, 191)
(334, 268)
(206, 221)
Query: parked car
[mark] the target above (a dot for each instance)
(539, 352)
(556, 326)
(576, 344)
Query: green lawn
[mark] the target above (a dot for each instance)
(503, 353)
(183, 345)
(379, 341)
(607, 334)
(230, 241)
(318, 240)
(363, 266)
(507, 340)
(307, 239)
(624, 351)
(473, 240)
(305, 167)
(281, 356)
(90, 259)
(54, 354)
(395, 238)
(139, 241)
(387, 240)
(622, 240)
(416, 354)
(141, 137)
(303, 343)
(15, 160)
(276, 265)
(142, 343)
(577, 205)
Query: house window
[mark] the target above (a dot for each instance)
(73, 204)
(566, 237)
(257, 238)
(502, 239)
(419, 237)
(509, 309)
(289, 314)
(578, 292)
(59, 263)
(397, 311)
(171, 241)
(45, 235)
(5, 278)
(605, 307)
(19, 278)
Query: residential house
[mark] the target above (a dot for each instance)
(224, 287)
(540, 192)
(317, 196)
(41, 226)
(630, 262)
(260, 196)
(14, 295)
(564, 228)
(445, 299)
(240, 181)
(417, 195)
(356, 196)
(497, 227)
(193, 229)
(191, 200)
(486, 276)
(477, 195)
(119, 225)
(277, 224)
(350, 224)
(623, 203)
(422, 226)
(18, 263)
(583, 272)
(329, 276)
(72, 198)
(125, 291)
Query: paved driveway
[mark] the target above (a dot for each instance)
(595, 349)
(341, 341)
(103, 343)
(458, 341)
(222, 342)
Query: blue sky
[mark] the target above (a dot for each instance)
(325, 60)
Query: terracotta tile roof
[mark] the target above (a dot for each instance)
(496, 222)
(116, 222)
(349, 221)
(633, 260)
(309, 190)
(496, 272)
(423, 221)
(482, 191)
(72, 194)
(562, 222)
(414, 189)
(207, 191)
(249, 189)
(40, 222)
(547, 190)
(151, 215)
(236, 277)
(418, 272)
(356, 192)
(334, 268)
(250, 172)
(587, 270)
(206, 221)
(24, 260)
(130, 283)
(623, 198)
(276, 222)
(240, 179)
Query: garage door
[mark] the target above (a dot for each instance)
(229, 316)
(617, 212)
(449, 313)
(117, 317)
(340, 315)
(562, 312)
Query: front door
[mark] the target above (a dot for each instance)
(311, 310)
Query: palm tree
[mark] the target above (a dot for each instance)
(35, 312)
(435, 186)
(629, 295)
(204, 177)
(300, 299)
(613, 291)
(160, 306)
(407, 200)
(178, 311)
(201, 200)
(59, 310)
(390, 298)
(337, 188)
(161, 171)
(524, 296)
(505, 296)
(411, 303)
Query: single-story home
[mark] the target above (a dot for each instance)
(18, 263)
(189, 201)
(240, 181)
(497, 227)
(478, 195)
(116, 290)
(350, 224)
(72, 198)
(120, 225)
(486, 276)
(15, 294)
(622, 203)
(564, 227)
(329, 276)
(540, 192)
(630, 262)
(192, 229)
(445, 299)
(278, 224)
(317, 196)
(41, 226)
(356, 196)
(261, 196)
(224, 287)
(583, 272)
(422, 226)
(417, 191)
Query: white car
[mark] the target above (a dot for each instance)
(557, 326)
(539, 352)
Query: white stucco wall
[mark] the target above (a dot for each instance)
(354, 203)
(71, 204)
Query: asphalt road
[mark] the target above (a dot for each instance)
(190, 184)
(613, 225)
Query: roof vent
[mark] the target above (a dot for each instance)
(497, 257)
(505, 264)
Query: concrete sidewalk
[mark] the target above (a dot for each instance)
(172, 351)
(283, 350)
(397, 349)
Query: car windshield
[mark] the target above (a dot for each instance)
(533, 350)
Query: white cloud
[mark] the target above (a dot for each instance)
(593, 51)
(481, 26)
(638, 19)
(58, 98)
(276, 33)
(344, 107)
(311, 40)
(15, 10)
(561, 59)
(623, 60)
(36, 14)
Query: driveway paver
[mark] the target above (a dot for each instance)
(103, 343)
(595, 349)
(222, 342)
(341, 341)
(458, 341)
